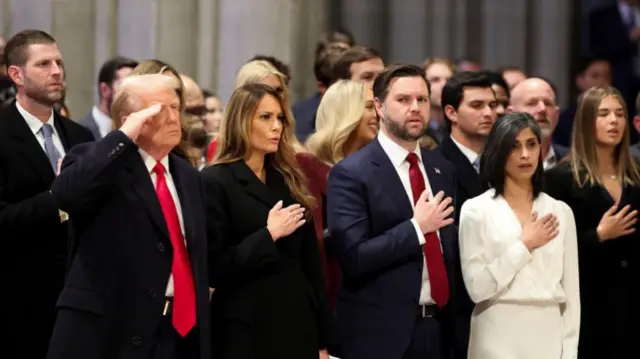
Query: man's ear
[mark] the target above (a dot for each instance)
(104, 90)
(16, 75)
(510, 109)
(451, 114)
(379, 104)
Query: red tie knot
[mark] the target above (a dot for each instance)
(412, 158)
(158, 169)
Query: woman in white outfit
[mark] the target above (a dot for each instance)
(518, 253)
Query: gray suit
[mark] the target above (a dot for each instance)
(90, 123)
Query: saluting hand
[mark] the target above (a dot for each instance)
(133, 123)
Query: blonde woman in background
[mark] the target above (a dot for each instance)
(346, 121)
(259, 72)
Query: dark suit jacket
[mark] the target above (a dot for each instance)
(35, 242)
(468, 184)
(560, 152)
(380, 254)
(90, 123)
(304, 112)
(270, 300)
(562, 133)
(609, 271)
(113, 297)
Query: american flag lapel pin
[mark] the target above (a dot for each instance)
(437, 170)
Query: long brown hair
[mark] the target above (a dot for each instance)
(583, 156)
(234, 142)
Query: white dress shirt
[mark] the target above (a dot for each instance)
(104, 122)
(466, 151)
(398, 157)
(35, 125)
(550, 160)
(150, 163)
(499, 271)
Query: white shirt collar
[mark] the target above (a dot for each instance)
(466, 151)
(550, 160)
(34, 124)
(397, 154)
(150, 163)
(104, 122)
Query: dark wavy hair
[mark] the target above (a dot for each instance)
(500, 143)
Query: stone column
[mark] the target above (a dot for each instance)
(369, 22)
(408, 31)
(207, 44)
(176, 34)
(504, 33)
(76, 46)
(551, 44)
(247, 28)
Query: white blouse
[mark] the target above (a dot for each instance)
(498, 267)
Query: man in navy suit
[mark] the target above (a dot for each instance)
(390, 218)
(138, 284)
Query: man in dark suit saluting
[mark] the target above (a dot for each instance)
(390, 217)
(137, 286)
(33, 138)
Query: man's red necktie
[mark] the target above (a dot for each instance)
(184, 297)
(433, 255)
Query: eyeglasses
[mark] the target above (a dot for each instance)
(199, 111)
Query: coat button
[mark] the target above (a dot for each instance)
(120, 144)
(151, 293)
(136, 340)
(624, 264)
(160, 247)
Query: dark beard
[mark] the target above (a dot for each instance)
(402, 133)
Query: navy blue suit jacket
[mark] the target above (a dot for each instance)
(304, 112)
(380, 255)
(121, 253)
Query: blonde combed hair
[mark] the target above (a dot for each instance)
(234, 143)
(339, 115)
(583, 156)
(129, 97)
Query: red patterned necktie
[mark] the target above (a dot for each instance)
(184, 297)
(435, 261)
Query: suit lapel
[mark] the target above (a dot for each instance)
(61, 127)
(28, 146)
(467, 175)
(438, 183)
(386, 174)
(185, 190)
(254, 186)
(434, 174)
(143, 187)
